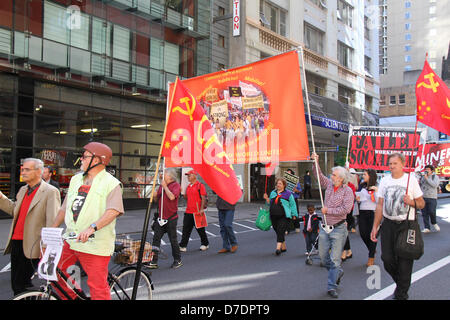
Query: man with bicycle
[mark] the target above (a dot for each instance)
(92, 204)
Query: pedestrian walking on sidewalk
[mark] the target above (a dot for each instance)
(282, 208)
(226, 217)
(307, 184)
(393, 205)
(367, 199)
(337, 203)
(36, 207)
(167, 217)
(196, 199)
(429, 183)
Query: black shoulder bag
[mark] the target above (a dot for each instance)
(409, 243)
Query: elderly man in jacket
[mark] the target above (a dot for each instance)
(36, 207)
(338, 202)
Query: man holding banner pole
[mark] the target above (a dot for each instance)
(397, 194)
(337, 203)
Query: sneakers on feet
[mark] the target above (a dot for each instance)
(203, 247)
(153, 265)
(332, 293)
(426, 230)
(436, 227)
(234, 249)
(176, 264)
(183, 249)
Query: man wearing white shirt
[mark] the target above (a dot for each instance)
(395, 199)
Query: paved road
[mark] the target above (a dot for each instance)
(254, 272)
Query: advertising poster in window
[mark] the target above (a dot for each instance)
(256, 110)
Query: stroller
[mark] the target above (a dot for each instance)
(309, 260)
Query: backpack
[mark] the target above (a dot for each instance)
(206, 197)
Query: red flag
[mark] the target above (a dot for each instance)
(191, 141)
(433, 100)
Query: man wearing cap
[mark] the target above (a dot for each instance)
(92, 204)
(196, 198)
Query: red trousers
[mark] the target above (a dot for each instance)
(96, 268)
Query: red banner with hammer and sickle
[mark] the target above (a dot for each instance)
(191, 141)
(433, 100)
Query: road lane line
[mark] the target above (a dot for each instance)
(386, 292)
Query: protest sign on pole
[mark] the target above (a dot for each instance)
(370, 147)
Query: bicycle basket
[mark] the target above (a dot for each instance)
(130, 252)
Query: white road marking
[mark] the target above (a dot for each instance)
(386, 292)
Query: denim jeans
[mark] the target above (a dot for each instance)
(429, 212)
(226, 218)
(335, 241)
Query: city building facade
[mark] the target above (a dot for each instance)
(409, 30)
(340, 46)
(73, 71)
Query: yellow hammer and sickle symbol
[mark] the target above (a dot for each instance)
(188, 111)
(432, 85)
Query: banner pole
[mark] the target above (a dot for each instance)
(147, 213)
(350, 133)
(310, 127)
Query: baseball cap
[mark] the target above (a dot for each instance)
(191, 172)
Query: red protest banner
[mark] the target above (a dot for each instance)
(437, 155)
(370, 148)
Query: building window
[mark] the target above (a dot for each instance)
(221, 41)
(345, 13)
(367, 63)
(408, 4)
(366, 28)
(401, 99)
(316, 84)
(408, 37)
(407, 26)
(221, 11)
(392, 100)
(407, 58)
(433, 10)
(408, 68)
(407, 47)
(382, 100)
(407, 15)
(345, 55)
(274, 16)
(346, 95)
(313, 38)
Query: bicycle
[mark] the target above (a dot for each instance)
(121, 283)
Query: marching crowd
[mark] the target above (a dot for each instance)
(94, 201)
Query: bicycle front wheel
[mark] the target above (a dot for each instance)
(35, 295)
(123, 283)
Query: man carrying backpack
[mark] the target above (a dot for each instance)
(196, 202)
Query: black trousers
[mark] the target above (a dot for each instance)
(171, 229)
(22, 268)
(398, 268)
(307, 189)
(366, 218)
(188, 225)
(280, 225)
